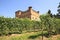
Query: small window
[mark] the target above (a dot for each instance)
(32, 17)
(35, 18)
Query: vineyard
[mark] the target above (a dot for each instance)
(47, 26)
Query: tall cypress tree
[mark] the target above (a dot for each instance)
(49, 13)
(58, 14)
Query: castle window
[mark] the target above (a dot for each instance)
(35, 18)
(32, 17)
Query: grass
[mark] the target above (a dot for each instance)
(27, 36)
(24, 36)
(58, 38)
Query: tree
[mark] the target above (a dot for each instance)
(49, 13)
(42, 17)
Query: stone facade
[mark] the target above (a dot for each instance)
(30, 13)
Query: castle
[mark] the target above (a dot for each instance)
(30, 13)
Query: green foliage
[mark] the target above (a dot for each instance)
(16, 25)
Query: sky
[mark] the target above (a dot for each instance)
(8, 7)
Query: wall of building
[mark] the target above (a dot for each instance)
(30, 13)
(25, 15)
(17, 14)
(34, 15)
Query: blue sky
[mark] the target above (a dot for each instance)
(8, 7)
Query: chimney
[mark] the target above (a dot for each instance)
(30, 7)
(37, 11)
